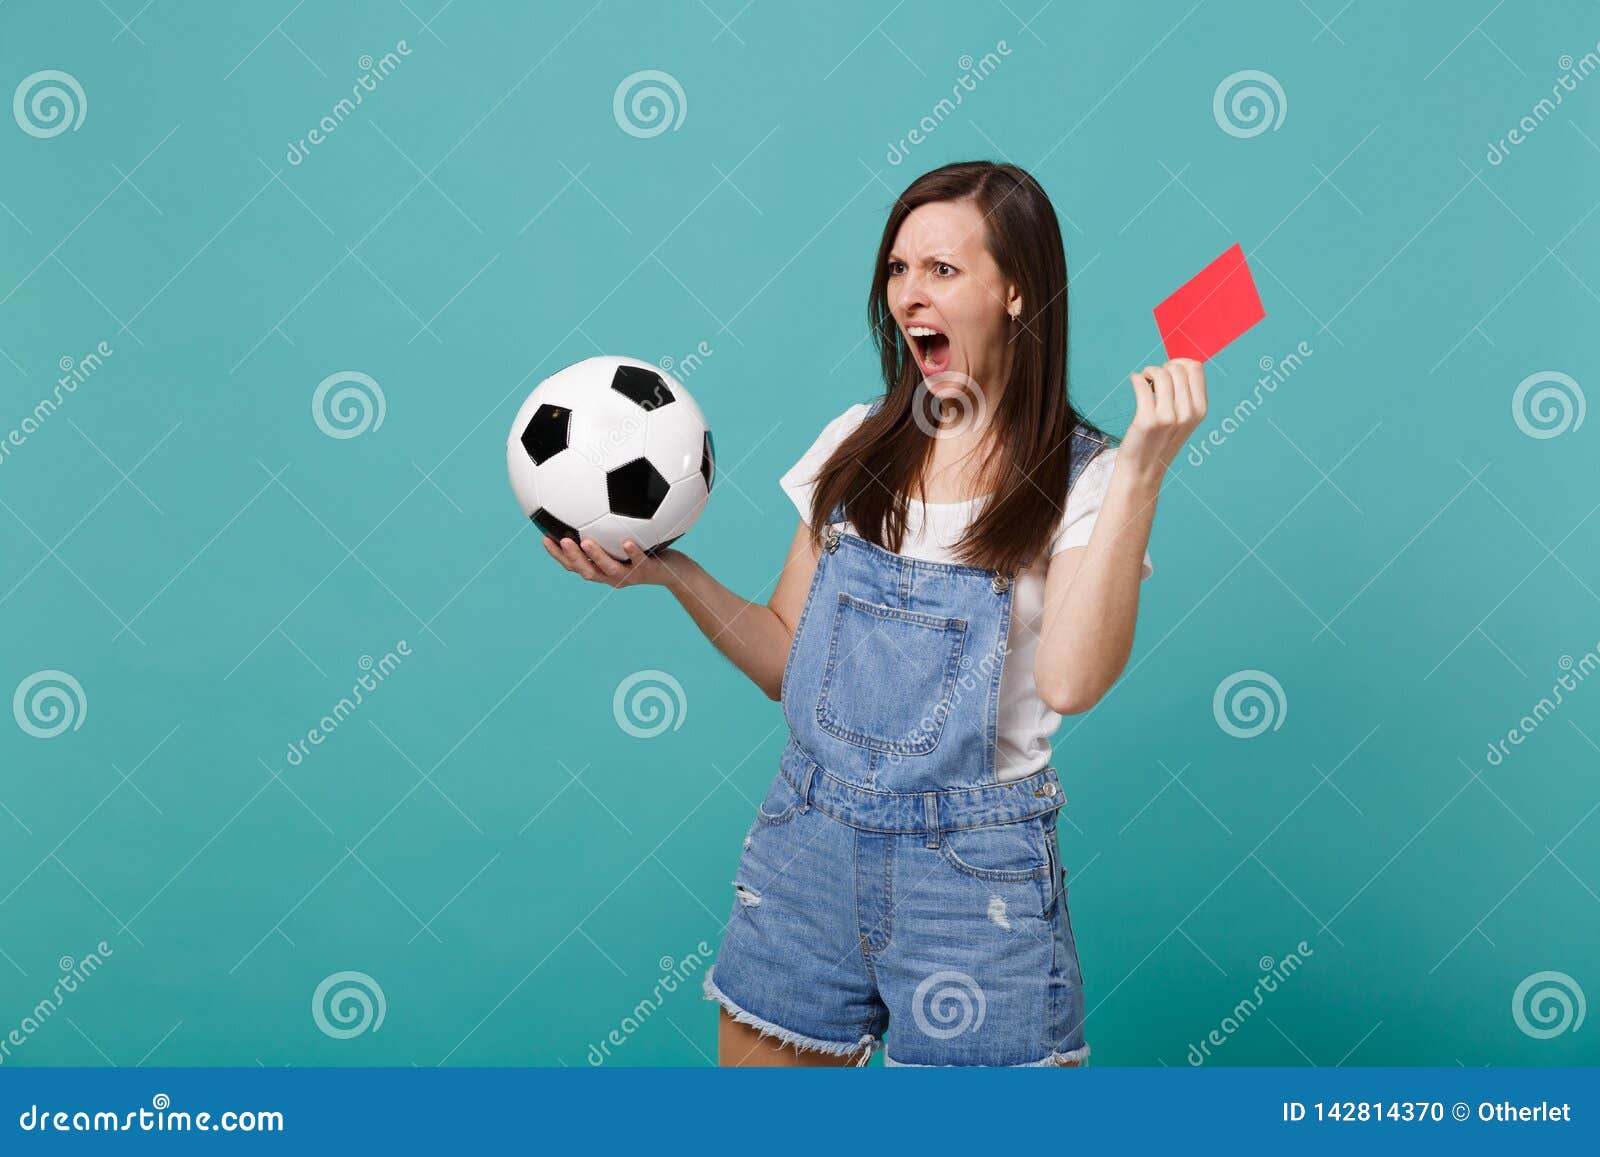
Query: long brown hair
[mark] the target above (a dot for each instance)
(873, 471)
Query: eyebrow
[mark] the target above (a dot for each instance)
(940, 256)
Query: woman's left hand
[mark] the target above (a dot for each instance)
(1171, 401)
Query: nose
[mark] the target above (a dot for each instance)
(911, 292)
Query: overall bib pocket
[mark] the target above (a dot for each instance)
(890, 676)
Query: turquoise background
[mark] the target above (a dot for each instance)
(512, 868)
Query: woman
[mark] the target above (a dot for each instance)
(902, 873)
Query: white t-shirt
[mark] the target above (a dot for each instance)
(1025, 724)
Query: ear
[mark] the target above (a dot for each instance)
(1013, 302)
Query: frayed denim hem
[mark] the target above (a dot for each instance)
(866, 1045)
(1072, 1058)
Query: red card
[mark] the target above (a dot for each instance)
(1218, 305)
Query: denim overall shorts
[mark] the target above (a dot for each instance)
(889, 883)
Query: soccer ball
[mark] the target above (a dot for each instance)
(609, 449)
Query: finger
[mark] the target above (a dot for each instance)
(1144, 399)
(555, 551)
(1197, 389)
(1182, 405)
(580, 562)
(631, 549)
(601, 558)
(1163, 392)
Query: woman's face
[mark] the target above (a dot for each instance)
(941, 277)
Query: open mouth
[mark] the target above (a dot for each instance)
(932, 348)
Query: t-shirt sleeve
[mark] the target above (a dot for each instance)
(1088, 494)
(799, 480)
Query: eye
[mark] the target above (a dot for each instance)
(895, 267)
(944, 265)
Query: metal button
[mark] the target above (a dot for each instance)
(1001, 583)
(1047, 789)
(832, 543)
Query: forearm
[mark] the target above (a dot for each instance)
(1088, 626)
(751, 635)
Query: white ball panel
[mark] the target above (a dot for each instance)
(681, 507)
(571, 488)
(610, 529)
(523, 474)
(607, 429)
(674, 441)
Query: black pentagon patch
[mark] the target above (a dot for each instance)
(644, 387)
(708, 461)
(636, 489)
(661, 546)
(553, 526)
(546, 434)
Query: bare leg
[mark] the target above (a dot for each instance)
(743, 1046)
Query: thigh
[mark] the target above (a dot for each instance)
(743, 1046)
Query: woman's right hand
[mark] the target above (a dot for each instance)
(591, 561)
